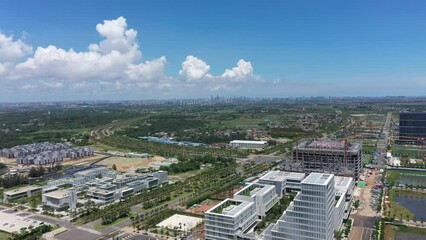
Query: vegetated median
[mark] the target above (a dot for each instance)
(208, 180)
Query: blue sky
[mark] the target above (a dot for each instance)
(287, 48)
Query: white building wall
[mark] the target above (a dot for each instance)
(310, 216)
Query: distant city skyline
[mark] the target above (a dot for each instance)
(132, 50)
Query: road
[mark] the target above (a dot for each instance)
(382, 143)
(365, 218)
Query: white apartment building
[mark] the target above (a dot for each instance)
(311, 215)
(244, 144)
(229, 218)
(264, 197)
(283, 181)
(60, 199)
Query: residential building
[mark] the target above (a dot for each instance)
(311, 214)
(229, 218)
(244, 144)
(264, 197)
(329, 157)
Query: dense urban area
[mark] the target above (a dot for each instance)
(217, 168)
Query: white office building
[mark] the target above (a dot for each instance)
(283, 181)
(229, 218)
(244, 144)
(311, 215)
(22, 192)
(264, 197)
(92, 173)
(343, 196)
(60, 199)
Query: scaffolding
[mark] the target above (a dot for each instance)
(340, 158)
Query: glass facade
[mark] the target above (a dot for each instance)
(412, 125)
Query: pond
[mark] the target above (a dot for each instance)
(412, 180)
(414, 205)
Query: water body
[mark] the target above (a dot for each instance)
(412, 180)
(414, 205)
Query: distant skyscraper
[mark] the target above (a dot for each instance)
(310, 215)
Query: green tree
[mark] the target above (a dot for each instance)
(114, 167)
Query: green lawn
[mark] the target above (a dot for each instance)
(100, 227)
(367, 158)
(4, 235)
(391, 231)
(405, 151)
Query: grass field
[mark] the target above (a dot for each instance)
(367, 158)
(4, 235)
(405, 151)
(104, 147)
(100, 227)
(391, 231)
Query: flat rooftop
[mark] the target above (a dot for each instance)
(180, 221)
(318, 178)
(22, 190)
(254, 189)
(342, 184)
(57, 194)
(328, 145)
(248, 142)
(282, 176)
(230, 207)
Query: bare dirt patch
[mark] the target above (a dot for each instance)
(125, 163)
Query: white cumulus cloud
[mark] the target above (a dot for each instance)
(11, 50)
(194, 69)
(114, 64)
(242, 72)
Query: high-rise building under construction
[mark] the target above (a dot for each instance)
(340, 158)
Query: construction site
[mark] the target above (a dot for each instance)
(340, 158)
